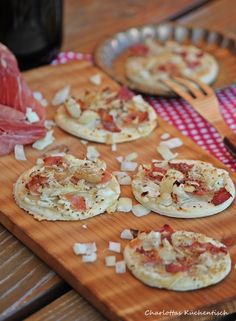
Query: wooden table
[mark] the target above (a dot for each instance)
(28, 288)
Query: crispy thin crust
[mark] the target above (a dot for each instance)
(44, 213)
(180, 281)
(72, 126)
(191, 209)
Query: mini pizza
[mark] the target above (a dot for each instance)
(183, 188)
(177, 260)
(151, 62)
(107, 116)
(66, 188)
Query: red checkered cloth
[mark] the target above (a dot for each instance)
(179, 113)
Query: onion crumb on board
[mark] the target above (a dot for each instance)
(139, 210)
(44, 142)
(110, 260)
(126, 234)
(122, 177)
(165, 136)
(61, 96)
(124, 204)
(96, 79)
(120, 267)
(166, 153)
(128, 166)
(172, 143)
(92, 153)
(19, 152)
(89, 258)
(114, 247)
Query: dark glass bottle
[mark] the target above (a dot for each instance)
(32, 30)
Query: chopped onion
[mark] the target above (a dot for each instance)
(39, 161)
(38, 95)
(44, 102)
(128, 166)
(126, 235)
(123, 178)
(114, 247)
(166, 153)
(119, 159)
(19, 152)
(49, 124)
(84, 248)
(84, 142)
(110, 260)
(31, 115)
(139, 210)
(120, 267)
(72, 107)
(44, 142)
(172, 143)
(84, 226)
(58, 150)
(113, 147)
(131, 157)
(124, 204)
(89, 258)
(61, 96)
(92, 153)
(96, 79)
(165, 136)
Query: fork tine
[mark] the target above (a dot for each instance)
(190, 86)
(177, 89)
(208, 90)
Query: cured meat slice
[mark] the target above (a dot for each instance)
(10, 113)
(14, 92)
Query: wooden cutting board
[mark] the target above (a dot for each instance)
(119, 297)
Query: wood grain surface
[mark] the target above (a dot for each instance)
(26, 283)
(88, 22)
(116, 296)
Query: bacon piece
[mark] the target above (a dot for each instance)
(221, 196)
(52, 160)
(35, 183)
(192, 64)
(150, 256)
(198, 247)
(153, 173)
(77, 202)
(177, 267)
(166, 232)
(141, 115)
(139, 50)
(125, 94)
(181, 167)
(108, 121)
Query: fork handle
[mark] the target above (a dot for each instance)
(223, 129)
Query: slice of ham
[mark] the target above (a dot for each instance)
(14, 92)
(10, 113)
(15, 98)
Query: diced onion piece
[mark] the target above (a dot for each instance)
(88, 118)
(124, 204)
(139, 210)
(96, 79)
(44, 142)
(172, 143)
(84, 248)
(38, 95)
(19, 152)
(131, 157)
(128, 166)
(31, 115)
(120, 267)
(72, 107)
(165, 136)
(110, 260)
(166, 153)
(119, 159)
(126, 235)
(61, 96)
(92, 153)
(123, 178)
(84, 226)
(48, 124)
(113, 147)
(39, 161)
(84, 142)
(90, 258)
(44, 102)
(114, 247)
